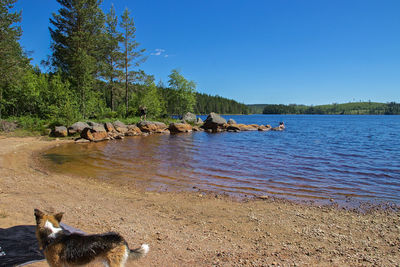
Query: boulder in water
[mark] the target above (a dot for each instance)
(264, 128)
(189, 117)
(281, 127)
(214, 122)
(231, 121)
(233, 128)
(95, 136)
(133, 130)
(152, 127)
(180, 127)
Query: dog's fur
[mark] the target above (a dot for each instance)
(64, 249)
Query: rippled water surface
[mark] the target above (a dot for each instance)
(316, 157)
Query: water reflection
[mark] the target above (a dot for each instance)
(318, 157)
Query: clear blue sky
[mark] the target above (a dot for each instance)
(259, 51)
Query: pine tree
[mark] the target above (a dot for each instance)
(113, 55)
(12, 58)
(132, 55)
(76, 41)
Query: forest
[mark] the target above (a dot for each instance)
(93, 71)
(352, 108)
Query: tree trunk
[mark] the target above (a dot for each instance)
(112, 92)
(126, 91)
(112, 86)
(1, 100)
(126, 72)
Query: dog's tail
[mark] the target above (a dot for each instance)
(138, 253)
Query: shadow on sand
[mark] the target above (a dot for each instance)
(18, 246)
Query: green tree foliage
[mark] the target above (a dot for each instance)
(76, 44)
(280, 109)
(206, 104)
(149, 96)
(112, 56)
(133, 56)
(59, 102)
(45, 96)
(182, 98)
(392, 108)
(13, 62)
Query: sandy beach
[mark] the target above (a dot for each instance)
(195, 228)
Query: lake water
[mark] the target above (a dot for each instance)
(345, 158)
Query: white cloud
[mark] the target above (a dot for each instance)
(158, 52)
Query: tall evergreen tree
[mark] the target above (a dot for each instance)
(76, 41)
(12, 59)
(113, 54)
(133, 56)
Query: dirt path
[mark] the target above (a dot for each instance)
(195, 229)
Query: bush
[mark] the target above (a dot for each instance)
(30, 124)
(109, 114)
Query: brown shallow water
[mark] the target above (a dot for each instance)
(309, 161)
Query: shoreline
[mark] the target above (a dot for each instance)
(192, 228)
(351, 202)
(358, 206)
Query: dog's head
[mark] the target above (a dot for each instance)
(47, 226)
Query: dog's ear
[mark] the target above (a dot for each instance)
(38, 215)
(58, 216)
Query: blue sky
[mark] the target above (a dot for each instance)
(259, 51)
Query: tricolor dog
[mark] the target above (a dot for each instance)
(74, 249)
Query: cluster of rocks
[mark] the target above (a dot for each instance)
(95, 132)
(215, 123)
(6, 126)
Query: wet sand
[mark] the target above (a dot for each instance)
(195, 228)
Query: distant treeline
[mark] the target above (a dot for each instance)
(354, 108)
(206, 103)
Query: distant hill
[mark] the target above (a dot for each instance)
(353, 108)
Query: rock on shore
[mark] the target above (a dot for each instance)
(60, 131)
(93, 135)
(120, 127)
(77, 127)
(180, 128)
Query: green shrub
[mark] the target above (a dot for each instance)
(28, 126)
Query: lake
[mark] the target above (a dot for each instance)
(348, 159)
